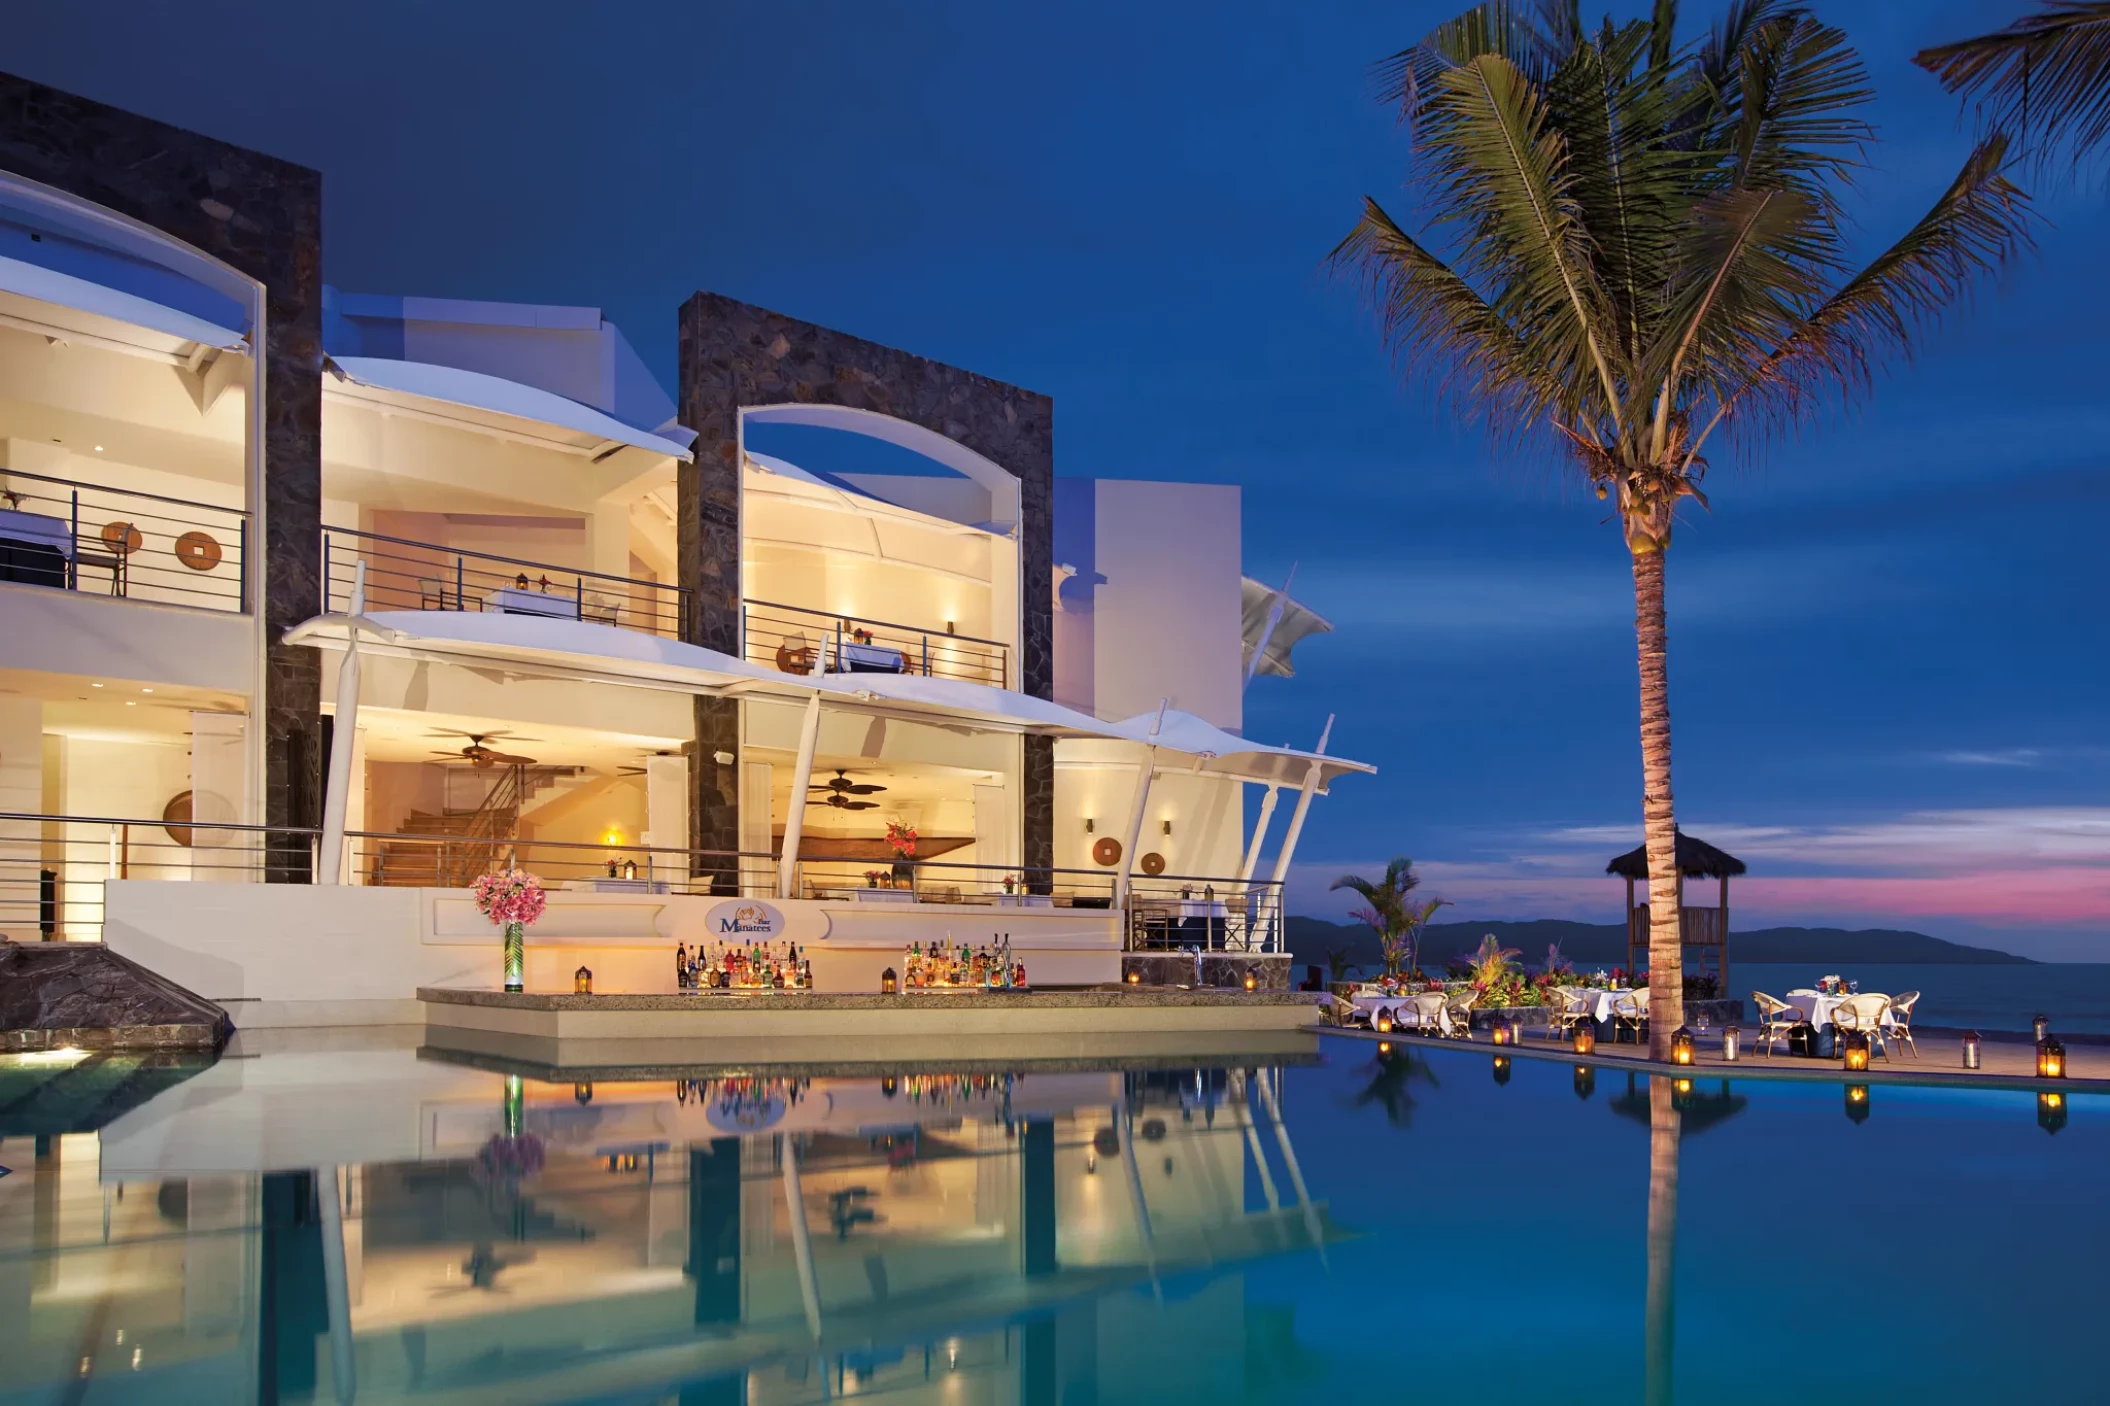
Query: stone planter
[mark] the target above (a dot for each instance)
(1219, 970)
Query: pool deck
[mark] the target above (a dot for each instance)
(2008, 1060)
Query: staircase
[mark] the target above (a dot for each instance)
(453, 847)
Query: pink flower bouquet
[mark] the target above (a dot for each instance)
(515, 896)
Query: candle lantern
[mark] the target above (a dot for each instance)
(1681, 1046)
(2039, 1027)
(1135, 976)
(1854, 1047)
(1857, 1102)
(1501, 1067)
(2051, 1058)
(1585, 1082)
(582, 981)
(1972, 1048)
(583, 1091)
(1501, 1032)
(2051, 1111)
(1252, 980)
(1585, 1037)
(1732, 1044)
(889, 984)
(1382, 1021)
(629, 868)
(1516, 1030)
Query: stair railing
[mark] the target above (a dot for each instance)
(494, 823)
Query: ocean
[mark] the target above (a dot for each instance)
(2076, 995)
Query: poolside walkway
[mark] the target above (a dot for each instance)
(2008, 1060)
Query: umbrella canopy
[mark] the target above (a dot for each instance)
(1696, 860)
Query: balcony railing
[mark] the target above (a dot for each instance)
(76, 536)
(406, 575)
(802, 641)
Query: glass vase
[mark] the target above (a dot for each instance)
(516, 955)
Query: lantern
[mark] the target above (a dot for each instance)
(1732, 1043)
(889, 984)
(1501, 1066)
(1585, 1082)
(582, 982)
(583, 1091)
(2051, 1112)
(1382, 1021)
(1501, 1032)
(1135, 976)
(629, 868)
(1857, 1102)
(1516, 1030)
(1252, 980)
(1855, 1050)
(1681, 1095)
(2039, 1027)
(1971, 1049)
(1585, 1037)
(1681, 1047)
(889, 1086)
(2051, 1059)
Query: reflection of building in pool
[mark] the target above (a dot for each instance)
(760, 1239)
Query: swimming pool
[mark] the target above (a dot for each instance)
(389, 1223)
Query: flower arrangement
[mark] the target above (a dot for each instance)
(873, 876)
(515, 896)
(902, 836)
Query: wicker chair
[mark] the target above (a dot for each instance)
(1458, 1012)
(794, 655)
(1428, 1012)
(1901, 1021)
(1775, 1019)
(1863, 1013)
(1571, 1008)
(1629, 1015)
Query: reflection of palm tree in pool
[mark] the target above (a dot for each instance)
(1390, 1073)
(1663, 1132)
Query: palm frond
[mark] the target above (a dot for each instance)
(2046, 76)
(1981, 222)
(1532, 34)
(1788, 97)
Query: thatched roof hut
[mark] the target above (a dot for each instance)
(1696, 860)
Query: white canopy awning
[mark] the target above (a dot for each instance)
(1298, 621)
(59, 304)
(601, 653)
(491, 404)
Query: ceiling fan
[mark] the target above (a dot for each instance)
(476, 754)
(838, 790)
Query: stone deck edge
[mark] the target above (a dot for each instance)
(1145, 997)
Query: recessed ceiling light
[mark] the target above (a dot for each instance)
(95, 685)
(131, 703)
(146, 690)
(98, 449)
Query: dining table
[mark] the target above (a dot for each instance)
(520, 600)
(1817, 1006)
(853, 658)
(1421, 1010)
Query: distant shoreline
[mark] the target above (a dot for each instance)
(1604, 944)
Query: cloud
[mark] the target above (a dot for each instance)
(2008, 756)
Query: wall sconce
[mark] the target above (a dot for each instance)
(949, 629)
(1168, 827)
(1087, 825)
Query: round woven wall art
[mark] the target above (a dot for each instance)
(1107, 851)
(1153, 863)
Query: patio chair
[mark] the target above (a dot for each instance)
(1901, 1021)
(1458, 1014)
(1570, 1009)
(1629, 1015)
(1863, 1013)
(1428, 1012)
(794, 655)
(1775, 1019)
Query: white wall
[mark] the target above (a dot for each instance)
(75, 632)
(21, 791)
(1098, 779)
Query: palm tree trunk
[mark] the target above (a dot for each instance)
(1661, 1306)
(1666, 956)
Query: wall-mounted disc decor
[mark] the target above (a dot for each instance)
(198, 551)
(176, 817)
(1153, 863)
(1107, 851)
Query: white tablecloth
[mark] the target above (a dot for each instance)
(1817, 1008)
(872, 657)
(514, 601)
(1601, 1002)
(40, 528)
(1430, 1003)
(1021, 900)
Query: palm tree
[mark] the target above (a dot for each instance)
(2046, 76)
(1388, 911)
(1632, 242)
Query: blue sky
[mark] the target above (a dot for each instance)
(1887, 648)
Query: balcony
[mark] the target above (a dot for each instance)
(75, 536)
(802, 641)
(406, 575)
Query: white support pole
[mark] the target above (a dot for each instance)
(801, 779)
(1296, 1173)
(801, 1236)
(329, 866)
(336, 1288)
(1135, 818)
(1252, 853)
(1296, 819)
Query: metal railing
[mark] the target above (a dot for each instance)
(942, 881)
(803, 641)
(77, 536)
(391, 859)
(1178, 912)
(406, 575)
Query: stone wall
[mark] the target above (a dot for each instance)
(262, 217)
(735, 355)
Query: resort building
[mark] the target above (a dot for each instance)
(373, 594)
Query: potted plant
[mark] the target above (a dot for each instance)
(901, 837)
(512, 900)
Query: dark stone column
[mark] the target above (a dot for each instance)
(714, 1230)
(262, 217)
(735, 355)
(293, 1309)
(1036, 1197)
(1037, 814)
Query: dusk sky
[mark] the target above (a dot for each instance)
(1888, 648)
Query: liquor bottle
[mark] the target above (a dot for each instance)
(1018, 976)
(681, 966)
(806, 974)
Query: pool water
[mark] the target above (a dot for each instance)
(390, 1223)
